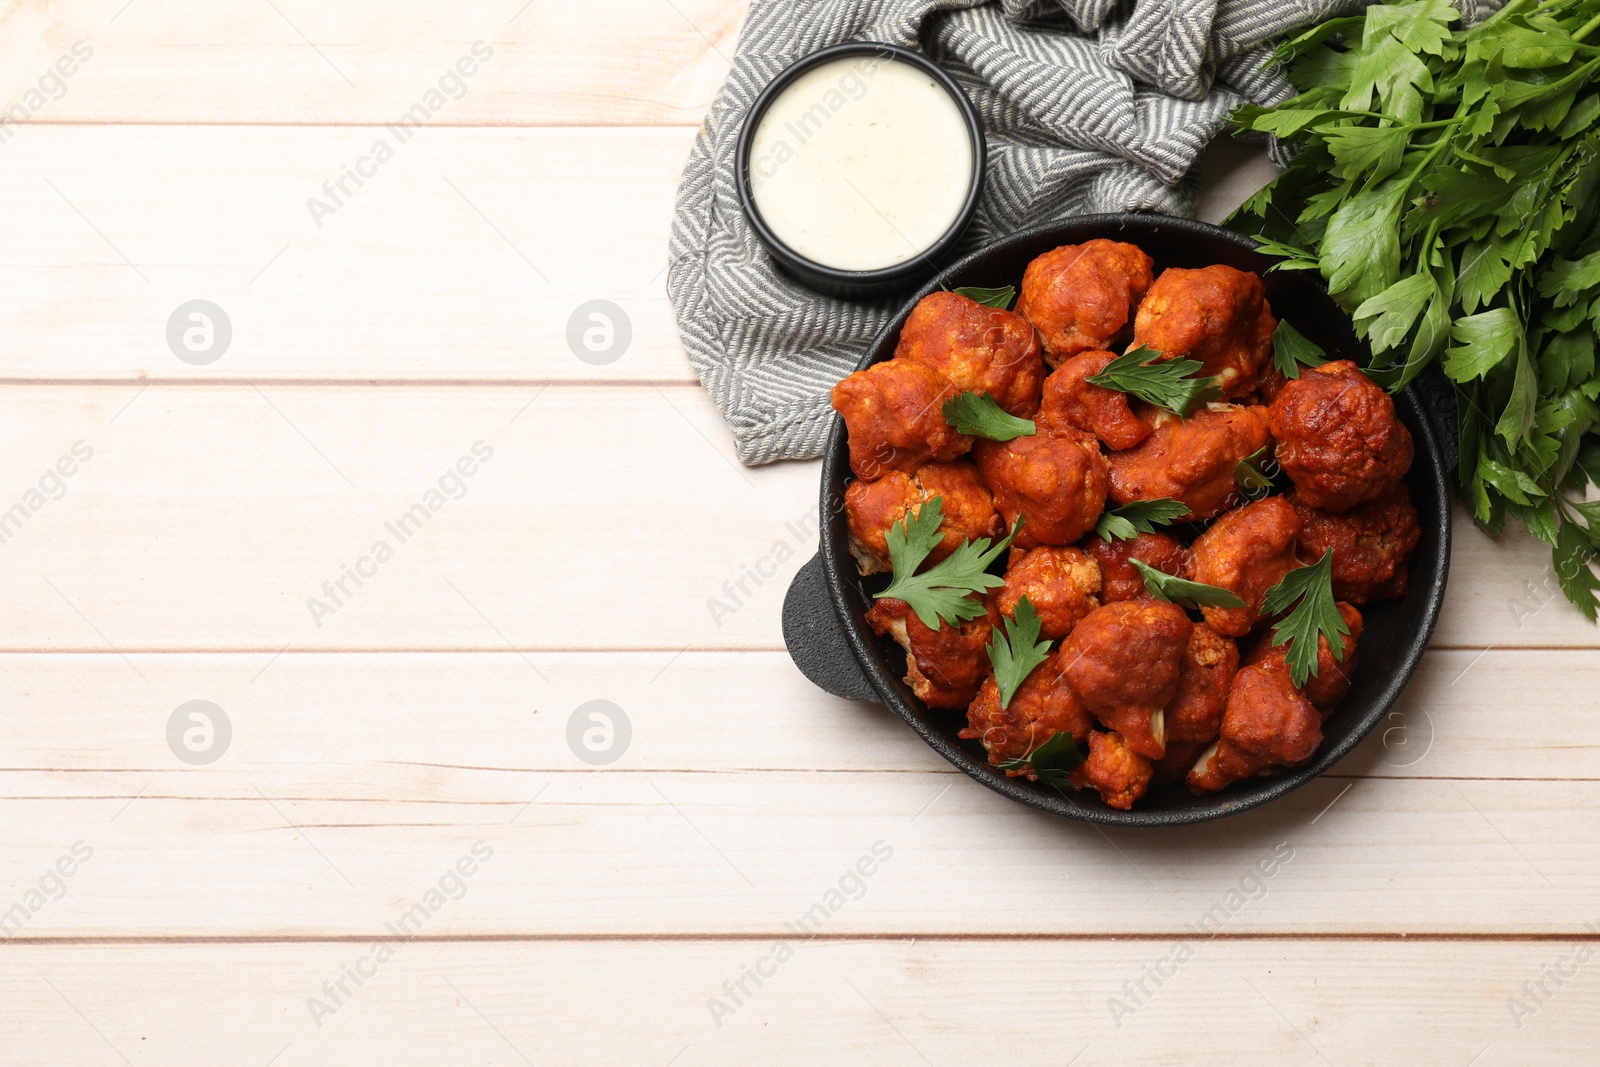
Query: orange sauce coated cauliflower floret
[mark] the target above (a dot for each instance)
(1043, 706)
(1112, 769)
(1123, 660)
(944, 667)
(1071, 400)
(1119, 578)
(1331, 682)
(1268, 723)
(872, 508)
(1193, 460)
(1339, 440)
(977, 349)
(1083, 296)
(1217, 316)
(1372, 543)
(1056, 482)
(1247, 552)
(1204, 678)
(1061, 583)
(895, 418)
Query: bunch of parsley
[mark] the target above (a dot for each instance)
(1446, 187)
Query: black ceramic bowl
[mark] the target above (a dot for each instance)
(823, 614)
(858, 283)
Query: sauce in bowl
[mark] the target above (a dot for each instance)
(862, 162)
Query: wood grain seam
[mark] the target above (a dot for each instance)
(768, 936)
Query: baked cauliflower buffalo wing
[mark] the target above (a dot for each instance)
(1123, 661)
(1371, 544)
(1043, 706)
(944, 667)
(1119, 578)
(1331, 681)
(873, 508)
(1191, 460)
(1204, 678)
(1055, 482)
(1247, 552)
(1268, 723)
(1061, 583)
(1339, 439)
(1083, 296)
(1217, 316)
(1070, 400)
(895, 418)
(977, 349)
(1112, 769)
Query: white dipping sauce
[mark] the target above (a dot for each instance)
(861, 163)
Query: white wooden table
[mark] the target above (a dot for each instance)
(227, 911)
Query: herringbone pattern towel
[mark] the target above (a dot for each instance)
(1089, 106)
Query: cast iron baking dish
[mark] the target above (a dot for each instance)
(823, 613)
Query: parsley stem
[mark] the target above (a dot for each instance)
(1588, 28)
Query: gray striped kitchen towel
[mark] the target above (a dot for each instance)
(1089, 106)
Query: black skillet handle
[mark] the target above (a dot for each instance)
(816, 642)
(1438, 399)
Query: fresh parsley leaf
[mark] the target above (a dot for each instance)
(1482, 342)
(1385, 320)
(1573, 559)
(1290, 348)
(1166, 384)
(1446, 186)
(1361, 249)
(1366, 151)
(1521, 407)
(1140, 516)
(1015, 650)
(1309, 590)
(1252, 481)
(942, 593)
(1182, 592)
(1514, 485)
(981, 415)
(915, 536)
(1052, 760)
(1293, 258)
(995, 298)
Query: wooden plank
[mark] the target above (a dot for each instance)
(604, 518)
(211, 517)
(444, 265)
(295, 61)
(72, 737)
(464, 257)
(893, 1003)
(303, 828)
